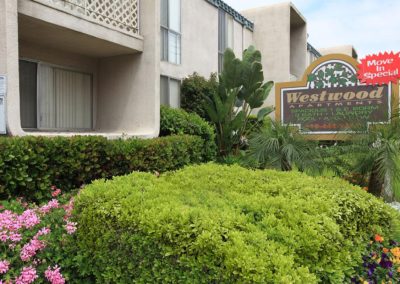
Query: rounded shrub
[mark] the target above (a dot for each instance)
(179, 122)
(225, 224)
(194, 90)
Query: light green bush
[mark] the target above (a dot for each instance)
(225, 224)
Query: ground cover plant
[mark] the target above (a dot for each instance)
(381, 262)
(226, 224)
(33, 240)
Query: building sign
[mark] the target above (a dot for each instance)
(3, 89)
(382, 68)
(330, 100)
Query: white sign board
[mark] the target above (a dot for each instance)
(3, 91)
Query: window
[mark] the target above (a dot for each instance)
(171, 31)
(54, 98)
(170, 92)
(225, 36)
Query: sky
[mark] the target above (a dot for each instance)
(371, 26)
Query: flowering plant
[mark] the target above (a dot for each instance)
(381, 263)
(32, 237)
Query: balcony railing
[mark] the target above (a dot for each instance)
(120, 15)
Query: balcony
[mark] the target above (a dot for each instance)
(118, 15)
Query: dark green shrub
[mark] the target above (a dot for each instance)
(30, 165)
(193, 90)
(225, 224)
(178, 122)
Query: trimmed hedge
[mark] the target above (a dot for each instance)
(225, 224)
(30, 165)
(178, 122)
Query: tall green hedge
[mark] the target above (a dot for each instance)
(225, 224)
(30, 165)
(178, 122)
(194, 90)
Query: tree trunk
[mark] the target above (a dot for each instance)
(375, 184)
(388, 194)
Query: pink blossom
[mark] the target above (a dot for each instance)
(9, 221)
(28, 275)
(4, 266)
(68, 209)
(53, 204)
(70, 227)
(15, 237)
(42, 232)
(56, 192)
(29, 219)
(30, 249)
(54, 276)
(3, 237)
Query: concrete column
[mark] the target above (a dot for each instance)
(129, 85)
(9, 63)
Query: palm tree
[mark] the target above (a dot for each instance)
(282, 147)
(379, 159)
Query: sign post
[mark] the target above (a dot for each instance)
(330, 102)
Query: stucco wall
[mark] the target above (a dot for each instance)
(62, 19)
(129, 93)
(200, 40)
(9, 63)
(272, 37)
(342, 49)
(199, 29)
(280, 33)
(126, 87)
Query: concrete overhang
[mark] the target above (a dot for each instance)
(59, 30)
(296, 18)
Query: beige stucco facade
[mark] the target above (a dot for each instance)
(200, 41)
(341, 49)
(280, 33)
(124, 59)
(124, 66)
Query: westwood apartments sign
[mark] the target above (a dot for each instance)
(330, 100)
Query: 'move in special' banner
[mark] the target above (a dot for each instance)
(331, 100)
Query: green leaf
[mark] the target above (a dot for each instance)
(262, 113)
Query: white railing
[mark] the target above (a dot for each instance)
(120, 15)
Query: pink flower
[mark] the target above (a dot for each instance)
(42, 232)
(30, 249)
(68, 209)
(29, 219)
(54, 276)
(53, 204)
(28, 275)
(15, 237)
(3, 237)
(4, 266)
(56, 192)
(70, 227)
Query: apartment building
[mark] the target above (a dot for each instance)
(348, 50)
(103, 67)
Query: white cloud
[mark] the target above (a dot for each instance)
(370, 25)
